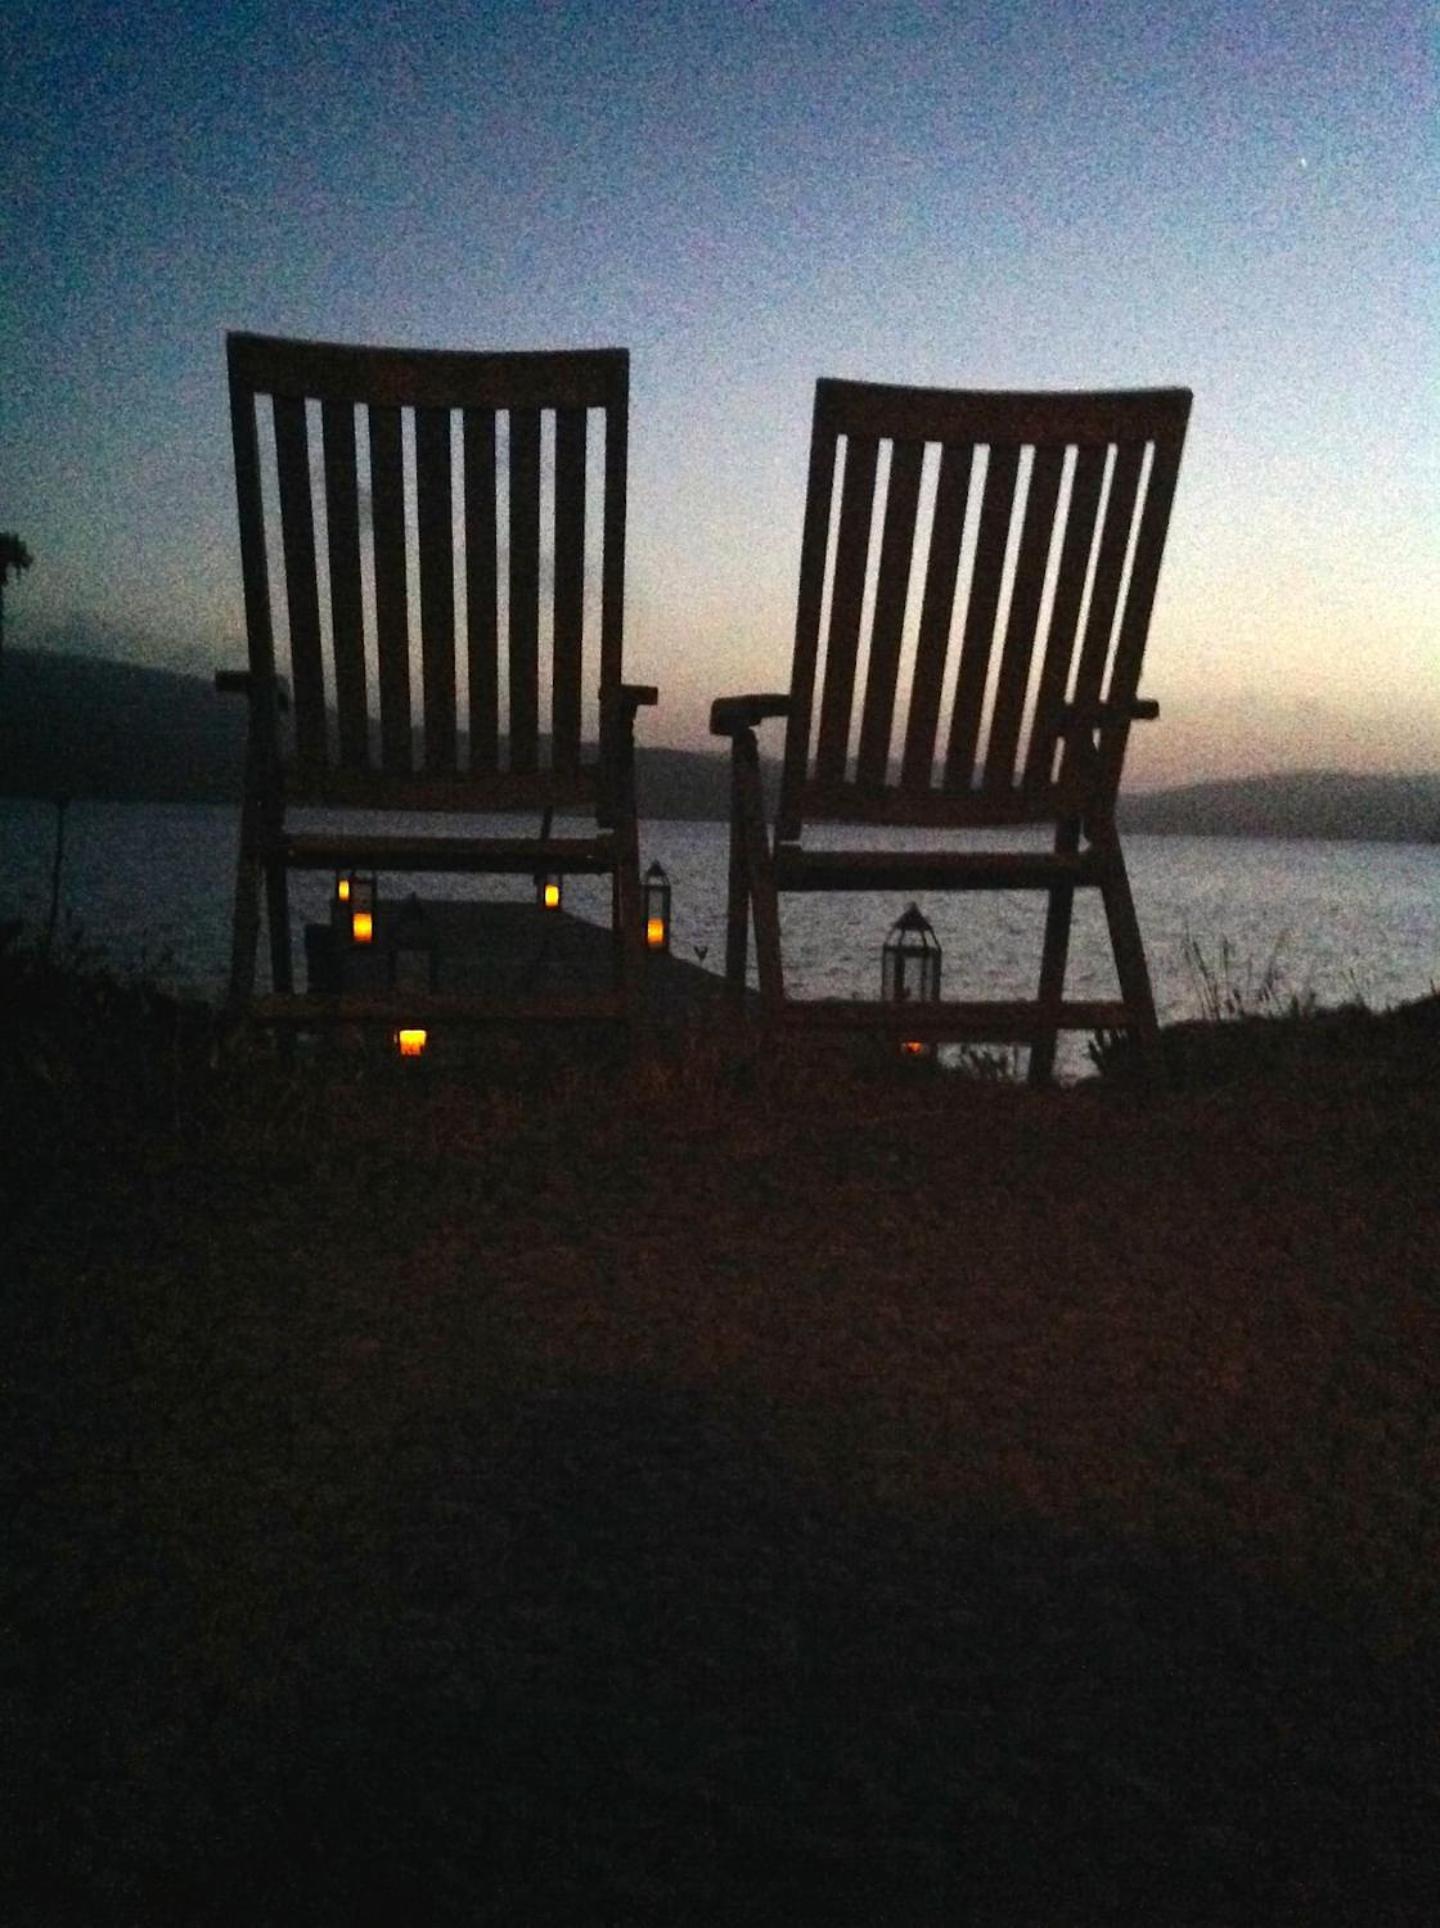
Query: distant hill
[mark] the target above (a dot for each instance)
(86, 726)
(1303, 803)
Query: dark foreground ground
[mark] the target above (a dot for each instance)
(719, 1489)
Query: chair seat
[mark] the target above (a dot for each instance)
(501, 856)
(798, 869)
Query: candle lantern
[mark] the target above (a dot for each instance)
(657, 909)
(910, 968)
(354, 906)
(412, 959)
(411, 1040)
(549, 889)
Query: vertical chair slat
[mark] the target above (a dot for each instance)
(985, 583)
(524, 588)
(392, 620)
(612, 568)
(435, 529)
(897, 543)
(942, 567)
(1019, 646)
(569, 587)
(813, 542)
(297, 525)
(254, 570)
(1109, 567)
(342, 534)
(481, 588)
(1085, 486)
(852, 553)
(1139, 602)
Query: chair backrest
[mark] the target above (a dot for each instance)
(1010, 571)
(438, 536)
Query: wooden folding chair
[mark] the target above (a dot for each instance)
(1037, 557)
(430, 509)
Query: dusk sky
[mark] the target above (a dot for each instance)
(1236, 198)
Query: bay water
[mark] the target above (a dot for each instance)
(150, 886)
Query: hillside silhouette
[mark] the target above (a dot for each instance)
(86, 726)
(92, 727)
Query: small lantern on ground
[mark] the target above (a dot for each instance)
(411, 1041)
(657, 909)
(549, 889)
(910, 968)
(354, 906)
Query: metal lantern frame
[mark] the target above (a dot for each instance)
(910, 960)
(656, 897)
(357, 895)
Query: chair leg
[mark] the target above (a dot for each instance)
(629, 934)
(245, 934)
(1053, 960)
(759, 877)
(1130, 965)
(737, 902)
(277, 914)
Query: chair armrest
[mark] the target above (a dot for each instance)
(1093, 716)
(618, 707)
(616, 799)
(241, 682)
(729, 715)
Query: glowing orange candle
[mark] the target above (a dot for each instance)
(412, 1041)
(362, 927)
(657, 909)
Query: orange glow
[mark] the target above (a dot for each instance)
(342, 890)
(412, 1042)
(362, 927)
(551, 898)
(655, 933)
(912, 1047)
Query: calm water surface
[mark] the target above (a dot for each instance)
(152, 883)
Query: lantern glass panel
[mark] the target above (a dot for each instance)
(657, 909)
(910, 961)
(354, 906)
